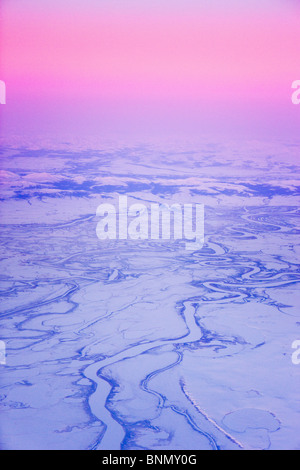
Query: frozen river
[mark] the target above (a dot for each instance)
(141, 344)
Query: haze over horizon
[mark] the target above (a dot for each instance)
(156, 69)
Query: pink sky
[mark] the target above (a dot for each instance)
(136, 70)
